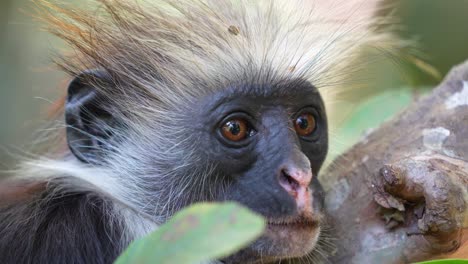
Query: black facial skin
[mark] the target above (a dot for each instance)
(252, 167)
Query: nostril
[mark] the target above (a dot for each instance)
(288, 182)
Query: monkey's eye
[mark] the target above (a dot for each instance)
(305, 124)
(236, 129)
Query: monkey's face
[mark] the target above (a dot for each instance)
(268, 148)
(261, 145)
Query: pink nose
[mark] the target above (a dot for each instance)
(296, 182)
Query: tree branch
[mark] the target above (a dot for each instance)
(401, 194)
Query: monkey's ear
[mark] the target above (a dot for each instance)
(88, 117)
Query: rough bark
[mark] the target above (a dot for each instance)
(401, 194)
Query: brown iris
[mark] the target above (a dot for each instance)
(235, 129)
(305, 124)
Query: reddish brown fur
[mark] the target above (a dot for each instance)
(12, 192)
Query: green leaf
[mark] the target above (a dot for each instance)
(445, 261)
(199, 233)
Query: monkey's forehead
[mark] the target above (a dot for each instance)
(297, 92)
(277, 88)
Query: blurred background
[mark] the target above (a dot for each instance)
(29, 83)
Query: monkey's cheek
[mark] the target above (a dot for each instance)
(288, 241)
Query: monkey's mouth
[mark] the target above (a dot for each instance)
(298, 229)
(301, 222)
(292, 237)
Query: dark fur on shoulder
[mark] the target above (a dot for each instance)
(50, 226)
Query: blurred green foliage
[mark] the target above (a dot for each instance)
(368, 114)
(28, 82)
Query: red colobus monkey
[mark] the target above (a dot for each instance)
(176, 102)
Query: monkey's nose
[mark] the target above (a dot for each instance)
(296, 182)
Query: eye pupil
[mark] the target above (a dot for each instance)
(302, 122)
(234, 127)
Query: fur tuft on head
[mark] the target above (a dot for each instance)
(169, 51)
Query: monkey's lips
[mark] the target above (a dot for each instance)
(301, 227)
(293, 225)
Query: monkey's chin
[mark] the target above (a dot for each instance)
(280, 241)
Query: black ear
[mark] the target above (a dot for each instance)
(88, 116)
